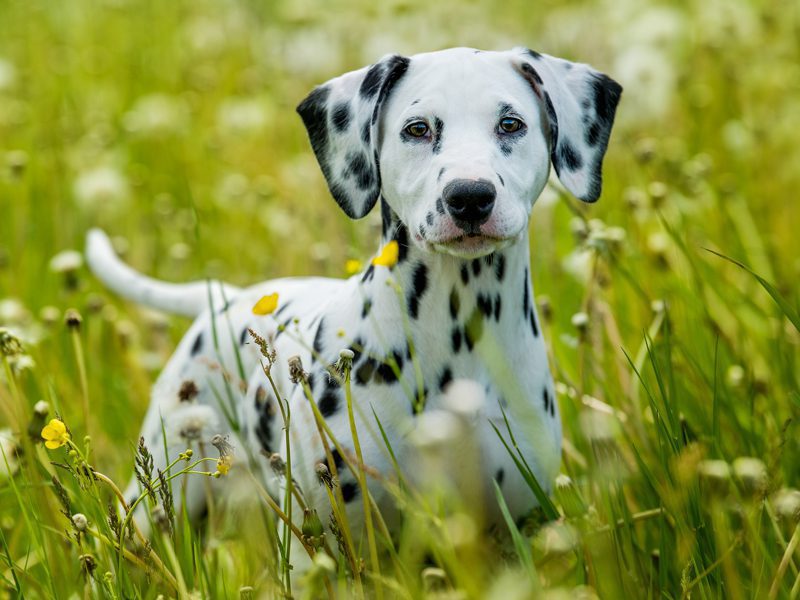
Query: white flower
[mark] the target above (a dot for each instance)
(8, 75)
(9, 450)
(66, 261)
(157, 115)
(649, 79)
(242, 116)
(191, 423)
(101, 187)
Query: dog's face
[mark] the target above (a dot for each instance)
(459, 142)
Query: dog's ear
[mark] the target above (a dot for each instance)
(580, 104)
(341, 117)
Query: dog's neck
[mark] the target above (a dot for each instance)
(451, 302)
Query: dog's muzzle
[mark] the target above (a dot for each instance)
(469, 202)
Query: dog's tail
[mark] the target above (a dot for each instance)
(189, 299)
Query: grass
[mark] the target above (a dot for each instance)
(670, 307)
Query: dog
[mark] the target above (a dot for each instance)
(455, 146)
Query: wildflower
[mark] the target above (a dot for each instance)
(66, 263)
(242, 116)
(580, 321)
(324, 475)
(101, 187)
(224, 464)
(353, 266)
(751, 474)
(188, 391)
(388, 255)
(9, 451)
(223, 446)
(569, 497)
(266, 305)
(73, 319)
(296, 373)
(9, 343)
(41, 408)
(787, 505)
(156, 115)
(312, 529)
(345, 362)
(55, 434)
(80, 522)
(277, 464)
(189, 422)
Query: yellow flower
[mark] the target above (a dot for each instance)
(388, 255)
(55, 434)
(224, 464)
(352, 266)
(266, 305)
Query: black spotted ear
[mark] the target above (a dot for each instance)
(580, 104)
(341, 117)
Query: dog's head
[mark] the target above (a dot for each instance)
(459, 142)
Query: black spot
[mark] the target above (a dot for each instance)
(225, 307)
(359, 167)
(533, 54)
(314, 113)
(505, 147)
(500, 267)
(366, 308)
(198, 344)
(243, 336)
(318, 337)
(401, 237)
(438, 132)
(499, 476)
(372, 81)
(546, 400)
(341, 116)
(429, 219)
(445, 378)
(485, 304)
(387, 217)
(464, 273)
(526, 294)
(528, 69)
(385, 372)
(328, 403)
(455, 303)
(368, 274)
(264, 427)
(500, 177)
(534, 326)
(441, 172)
(553, 119)
(570, 156)
(473, 330)
(338, 461)
(606, 97)
(419, 285)
(497, 307)
(439, 206)
(349, 491)
(366, 132)
(311, 378)
(422, 231)
(592, 135)
(415, 102)
(456, 339)
(260, 396)
(365, 371)
(476, 266)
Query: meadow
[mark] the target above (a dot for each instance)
(670, 307)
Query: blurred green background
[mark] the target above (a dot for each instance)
(172, 126)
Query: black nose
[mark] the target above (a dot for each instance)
(469, 201)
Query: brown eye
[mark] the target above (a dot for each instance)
(417, 129)
(510, 125)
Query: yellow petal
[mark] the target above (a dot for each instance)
(54, 430)
(388, 255)
(53, 444)
(352, 266)
(266, 305)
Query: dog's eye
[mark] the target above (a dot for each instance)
(510, 125)
(417, 129)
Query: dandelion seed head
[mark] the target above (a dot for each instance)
(190, 423)
(101, 188)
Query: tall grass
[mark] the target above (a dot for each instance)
(670, 308)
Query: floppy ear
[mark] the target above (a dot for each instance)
(341, 117)
(580, 104)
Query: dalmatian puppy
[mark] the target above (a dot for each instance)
(455, 147)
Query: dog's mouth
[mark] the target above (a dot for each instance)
(472, 245)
